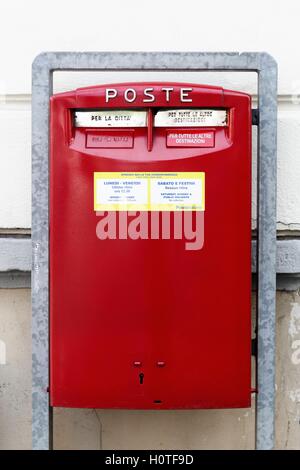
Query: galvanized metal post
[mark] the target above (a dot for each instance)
(265, 66)
(266, 253)
(41, 414)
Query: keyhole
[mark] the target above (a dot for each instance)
(141, 377)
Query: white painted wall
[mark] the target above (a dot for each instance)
(27, 28)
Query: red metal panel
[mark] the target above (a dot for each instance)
(120, 308)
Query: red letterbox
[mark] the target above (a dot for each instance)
(150, 240)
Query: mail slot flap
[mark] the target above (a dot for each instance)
(191, 118)
(110, 118)
(138, 118)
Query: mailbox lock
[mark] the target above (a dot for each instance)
(141, 378)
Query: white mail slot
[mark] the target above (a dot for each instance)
(191, 118)
(110, 118)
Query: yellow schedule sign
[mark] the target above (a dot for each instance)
(152, 191)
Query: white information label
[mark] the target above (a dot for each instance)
(182, 193)
(122, 191)
(150, 191)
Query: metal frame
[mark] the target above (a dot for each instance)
(42, 78)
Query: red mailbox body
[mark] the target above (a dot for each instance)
(153, 319)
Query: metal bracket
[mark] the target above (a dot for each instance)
(42, 79)
(254, 347)
(255, 117)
